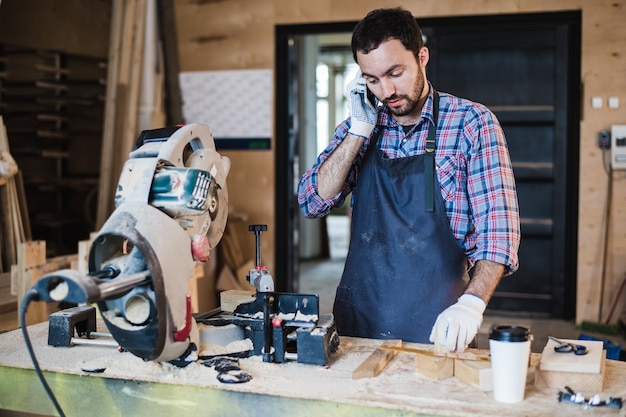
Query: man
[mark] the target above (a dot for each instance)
(433, 196)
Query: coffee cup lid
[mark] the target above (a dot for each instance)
(508, 333)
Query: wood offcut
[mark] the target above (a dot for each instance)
(376, 362)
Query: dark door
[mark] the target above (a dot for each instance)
(527, 71)
(526, 68)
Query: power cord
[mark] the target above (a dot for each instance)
(33, 295)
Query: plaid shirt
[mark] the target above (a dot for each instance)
(473, 167)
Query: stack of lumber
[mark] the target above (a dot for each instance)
(135, 90)
(15, 224)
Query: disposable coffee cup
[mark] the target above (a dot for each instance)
(510, 355)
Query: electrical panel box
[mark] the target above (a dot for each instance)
(618, 147)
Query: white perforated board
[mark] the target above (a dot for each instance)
(235, 104)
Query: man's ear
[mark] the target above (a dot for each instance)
(424, 56)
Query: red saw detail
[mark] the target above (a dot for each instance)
(183, 333)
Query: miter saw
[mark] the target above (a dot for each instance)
(171, 210)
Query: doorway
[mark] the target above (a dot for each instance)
(525, 68)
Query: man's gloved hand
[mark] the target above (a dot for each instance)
(457, 325)
(363, 113)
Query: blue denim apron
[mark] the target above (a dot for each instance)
(404, 266)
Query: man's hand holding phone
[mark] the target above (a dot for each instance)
(363, 111)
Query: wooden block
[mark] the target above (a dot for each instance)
(476, 373)
(29, 254)
(568, 362)
(84, 246)
(229, 300)
(436, 367)
(15, 276)
(40, 312)
(580, 381)
(33, 253)
(376, 362)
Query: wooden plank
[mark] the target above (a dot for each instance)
(107, 176)
(29, 255)
(568, 362)
(9, 250)
(83, 256)
(430, 350)
(167, 24)
(376, 362)
(581, 381)
(23, 206)
(436, 367)
(475, 373)
(16, 215)
(134, 82)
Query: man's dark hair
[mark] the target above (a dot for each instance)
(381, 25)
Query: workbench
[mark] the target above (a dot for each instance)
(131, 387)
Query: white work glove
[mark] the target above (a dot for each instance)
(458, 324)
(363, 113)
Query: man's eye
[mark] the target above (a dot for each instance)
(370, 81)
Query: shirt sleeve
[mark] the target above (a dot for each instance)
(492, 194)
(310, 203)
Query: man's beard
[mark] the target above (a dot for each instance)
(412, 101)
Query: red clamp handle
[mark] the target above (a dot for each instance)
(183, 333)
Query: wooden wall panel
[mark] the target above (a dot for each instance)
(240, 34)
(78, 27)
(224, 35)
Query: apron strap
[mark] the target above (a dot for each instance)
(429, 157)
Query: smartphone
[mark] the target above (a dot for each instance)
(372, 98)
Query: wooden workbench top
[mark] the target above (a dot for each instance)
(281, 389)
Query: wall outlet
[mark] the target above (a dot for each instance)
(604, 139)
(618, 146)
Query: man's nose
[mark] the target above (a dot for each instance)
(387, 88)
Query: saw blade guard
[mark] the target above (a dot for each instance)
(146, 319)
(179, 171)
